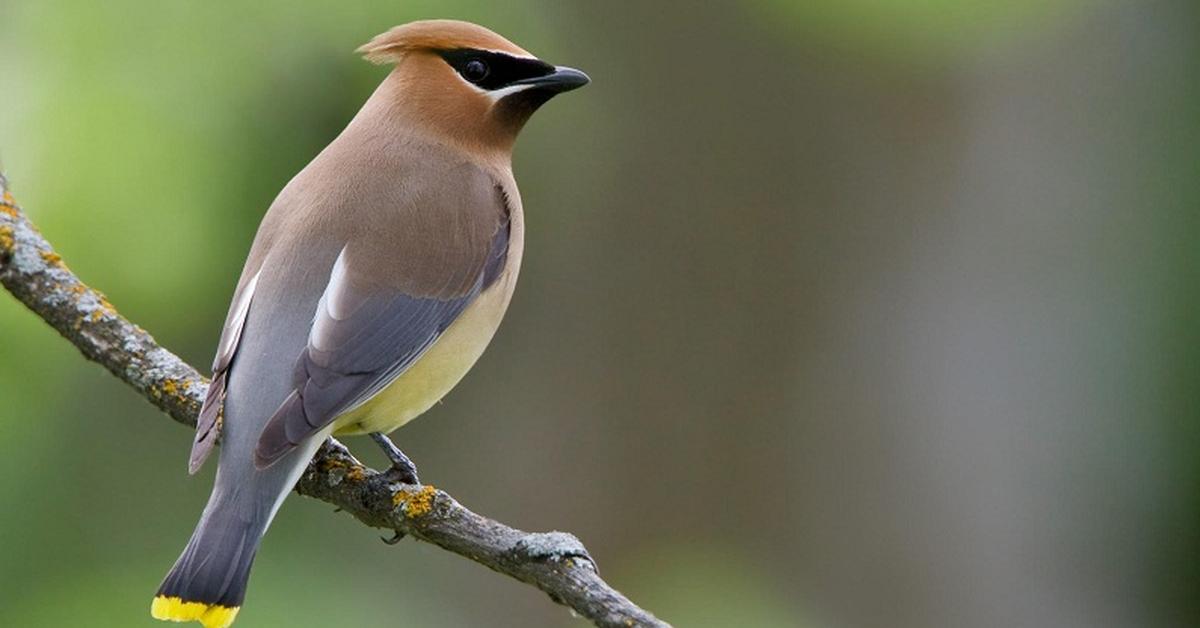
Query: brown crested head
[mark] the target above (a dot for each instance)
(465, 82)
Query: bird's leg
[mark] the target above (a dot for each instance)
(402, 468)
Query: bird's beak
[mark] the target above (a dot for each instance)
(562, 79)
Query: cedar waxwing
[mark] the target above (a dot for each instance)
(375, 281)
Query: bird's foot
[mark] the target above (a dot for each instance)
(403, 470)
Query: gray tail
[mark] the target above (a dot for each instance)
(208, 582)
(215, 566)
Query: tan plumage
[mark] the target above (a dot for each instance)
(391, 46)
(376, 280)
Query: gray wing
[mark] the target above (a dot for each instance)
(208, 426)
(362, 339)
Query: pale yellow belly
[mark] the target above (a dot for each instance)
(438, 370)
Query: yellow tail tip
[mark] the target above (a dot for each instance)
(175, 609)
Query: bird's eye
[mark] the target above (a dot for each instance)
(475, 70)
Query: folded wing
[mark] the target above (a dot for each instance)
(208, 427)
(371, 326)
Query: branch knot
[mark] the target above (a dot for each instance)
(555, 546)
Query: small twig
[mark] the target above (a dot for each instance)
(555, 562)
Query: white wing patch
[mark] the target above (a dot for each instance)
(337, 278)
(337, 304)
(237, 319)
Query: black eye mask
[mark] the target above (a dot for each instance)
(498, 69)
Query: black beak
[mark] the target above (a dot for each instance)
(562, 79)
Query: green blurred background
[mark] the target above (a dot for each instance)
(833, 313)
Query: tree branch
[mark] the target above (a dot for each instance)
(555, 562)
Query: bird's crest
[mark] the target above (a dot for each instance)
(391, 46)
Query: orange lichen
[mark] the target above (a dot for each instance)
(51, 258)
(6, 238)
(104, 308)
(9, 205)
(350, 471)
(332, 463)
(415, 504)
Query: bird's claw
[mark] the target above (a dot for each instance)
(402, 474)
(402, 470)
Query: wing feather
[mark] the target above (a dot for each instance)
(208, 427)
(364, 336)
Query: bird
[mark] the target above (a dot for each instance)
(376, 279)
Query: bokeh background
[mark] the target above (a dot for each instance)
(833, 312)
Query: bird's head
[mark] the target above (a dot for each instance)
(466, 82)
